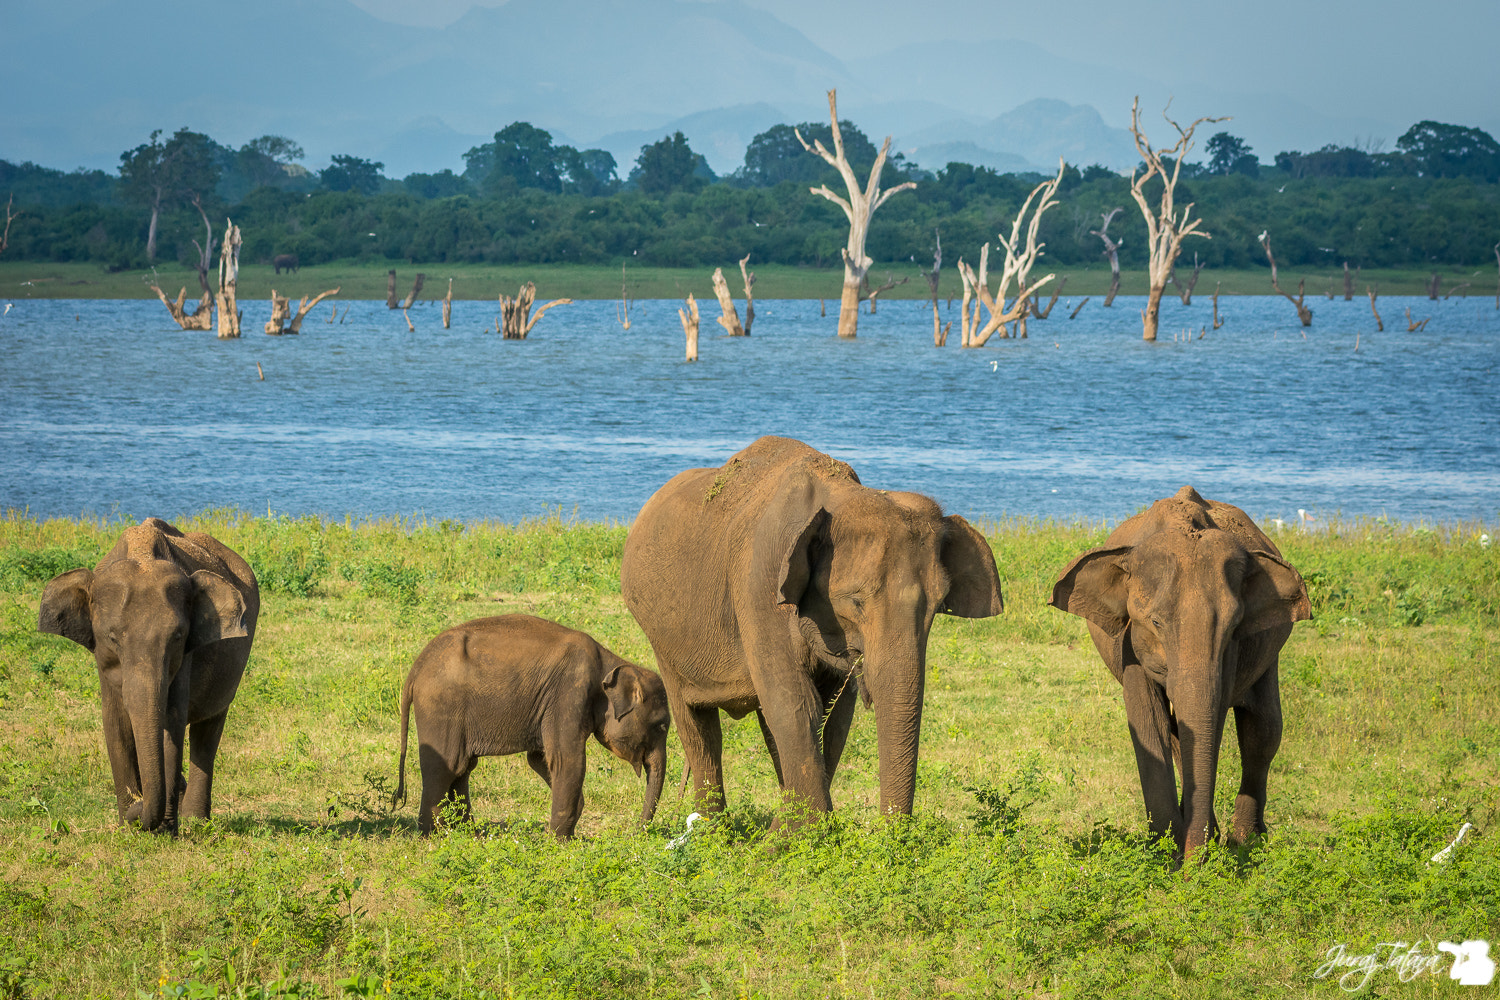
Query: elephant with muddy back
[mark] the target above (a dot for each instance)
(169, 618)
(765, 585)
(520, 684)
(1189, 604)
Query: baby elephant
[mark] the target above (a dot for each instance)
(519, 684)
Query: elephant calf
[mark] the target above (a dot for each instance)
(519, 684)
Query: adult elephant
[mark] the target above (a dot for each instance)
(1189, 604)
(285, 260)
(765, 584)
(169, 618)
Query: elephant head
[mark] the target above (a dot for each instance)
(140, 618)
(635, 723)
(1182, 607)
(866, 571)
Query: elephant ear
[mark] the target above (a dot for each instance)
(973, 578)
(784, 540)
(65, 608)
(218, 611)
(623, 692)
(1273, 594)
(1093, 587)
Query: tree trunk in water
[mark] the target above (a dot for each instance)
(516, 317)
(748, 277)
(391, 301)
(730, 320)
(281, 308)
(200, 318)
(1348, 284)
(1432, 286)
(416, 290)
(689, 319)
(1151, 315)
(229, 273)
(1041, 313)
(849, 302)
(1379, 324)
(448, 306)
(1079, 308)
(151, 233)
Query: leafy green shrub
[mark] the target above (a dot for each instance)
(21, 568)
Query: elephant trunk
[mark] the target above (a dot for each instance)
(895, 679)
(147, 710)
(656, 773)
(1200, 706)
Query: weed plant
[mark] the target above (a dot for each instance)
(1026, 870)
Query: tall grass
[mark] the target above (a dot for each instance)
(1026, 869)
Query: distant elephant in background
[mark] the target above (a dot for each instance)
(286, 260)
(767, 584)
(1189, 604)
(519, 684)
(169, 618)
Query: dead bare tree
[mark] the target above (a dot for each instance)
(1041, 313)
(229, 275)
(1432, 286)
(890, 282)
(1349, 280)
(206, 248)
(1112, 251)
(1414, 325)
(281, 312)
(1303, 312)
(1456, 289)
(333, 315)
(1497, 267)
(1019, 259)
(447, 307)
(689, 319)
(939, 332)
(12, 216)
(1165, 228)
(622, 311)
(1379, 323)
(516, 320)
(416, 289)
(1185, 292)
(748, 277)
(1217, 321)
(391, 301)
(858, 207)
(730, 318)
(1079, 308)
(201, 318)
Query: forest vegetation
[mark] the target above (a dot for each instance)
(521, 199)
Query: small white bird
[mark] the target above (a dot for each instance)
(9, 304)
(1281, 189)
(682, 838)
(994, 366)
(1441, 857)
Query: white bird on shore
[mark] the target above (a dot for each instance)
(682, 838)
(1441, 857)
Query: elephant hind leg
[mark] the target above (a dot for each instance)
(203, 747)
(440, 781)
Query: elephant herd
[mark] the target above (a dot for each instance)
(777, 584)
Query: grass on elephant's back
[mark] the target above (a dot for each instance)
(1393, 730)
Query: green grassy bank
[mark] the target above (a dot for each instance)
(1026, 869)
(367, 280)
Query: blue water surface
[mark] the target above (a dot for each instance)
(109, 409)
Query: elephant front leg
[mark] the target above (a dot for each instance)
(792, 711)
(1257, 725)
(1151, 733)
(203, 747)
(566, 764)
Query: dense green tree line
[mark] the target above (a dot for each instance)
(522, 199)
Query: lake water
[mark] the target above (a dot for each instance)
(117, 412)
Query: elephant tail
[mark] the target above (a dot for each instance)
(399, 797)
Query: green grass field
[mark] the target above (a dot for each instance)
(1025, 871)
(363, 280)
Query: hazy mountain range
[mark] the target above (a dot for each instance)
(90, 78)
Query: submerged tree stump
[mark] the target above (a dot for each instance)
(516, 320)
(730, 320)
(748, 277)
(1112, 251)
(281, 312)
(201, 318)
(391, 301)
(448, 306)
(1303, 312)
(689, 319)
(229, 274)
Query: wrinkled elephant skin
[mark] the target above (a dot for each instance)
(1189, 604)
(766, 584)
(169, 618)
(519, 684)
